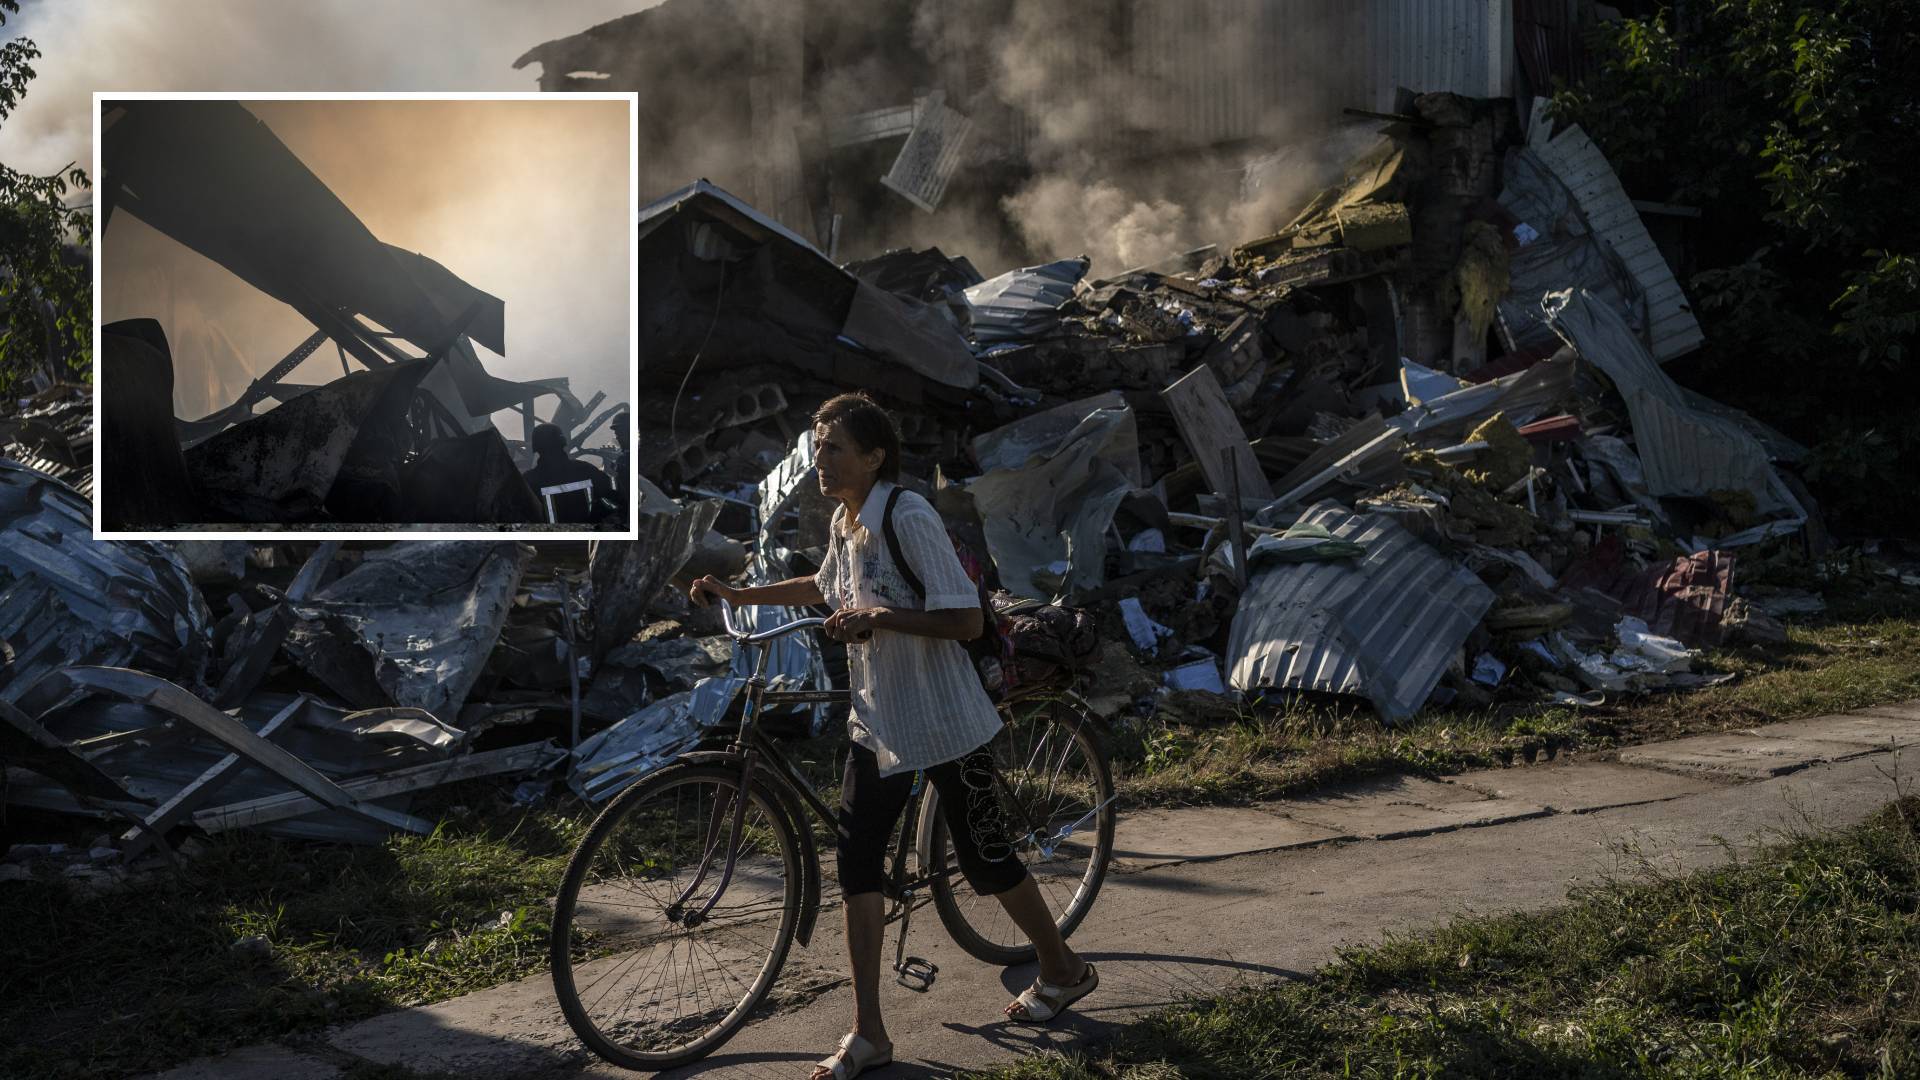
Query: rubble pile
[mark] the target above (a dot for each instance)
(1416, 448)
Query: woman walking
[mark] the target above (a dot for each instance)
(917, 705)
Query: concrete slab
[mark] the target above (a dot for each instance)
(1396, 821)
(1582, 787)
(1899, 710)
(1878, 732)
(1163, 935)
(1740, 755)
(267, 1059)
(510, 1030)
(1151, 838)
(1403, 806)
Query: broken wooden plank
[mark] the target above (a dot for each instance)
(1200, 409)
(231, 733)
(311, 571)
(261, 634)
(256, 642)
(25, 741)
(273, 808)
(136, 840)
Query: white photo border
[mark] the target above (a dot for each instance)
(252, 531)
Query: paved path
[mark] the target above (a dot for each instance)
(1205, 899)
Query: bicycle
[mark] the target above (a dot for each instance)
(734, 821)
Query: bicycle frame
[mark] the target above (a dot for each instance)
(755, 750)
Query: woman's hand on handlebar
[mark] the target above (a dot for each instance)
(698, 592)
(852, 624)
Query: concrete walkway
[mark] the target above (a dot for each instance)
(1205, 899)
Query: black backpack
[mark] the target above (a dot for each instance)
(991, 652)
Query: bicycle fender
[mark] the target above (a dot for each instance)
(923, 834)
(789, 802)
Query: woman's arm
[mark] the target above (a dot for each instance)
(958, 624)
(793, 592)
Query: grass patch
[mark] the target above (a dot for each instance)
(1866, 652)
(164, 971)
(257, 938)
(1800, 961)
(155, 974)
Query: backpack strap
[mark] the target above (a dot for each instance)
(893, 546)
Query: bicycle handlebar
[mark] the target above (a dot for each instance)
(749, 637)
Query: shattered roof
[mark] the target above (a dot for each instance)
(816, 291)
(213, 177)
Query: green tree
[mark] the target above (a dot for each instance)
(1791, 123)
(46, 287)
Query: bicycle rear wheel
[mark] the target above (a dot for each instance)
(1053, 776)
(641, 987)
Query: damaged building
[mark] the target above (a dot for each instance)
(1412, 447)
(403, 435)
(869, 125)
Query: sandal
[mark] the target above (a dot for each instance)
(1043, 1001)
(855, 1056)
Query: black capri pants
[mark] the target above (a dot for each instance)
(870, 806)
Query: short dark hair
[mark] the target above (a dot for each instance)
(548, 439)
(867, 424)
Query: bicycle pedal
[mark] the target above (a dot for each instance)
(916, 973)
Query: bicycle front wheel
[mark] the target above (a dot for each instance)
(1056, 794)
(644, 980)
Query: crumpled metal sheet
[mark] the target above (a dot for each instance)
(134, 744)
(1684, 450)
(412, 625)
(1012, 445)
(1522, 397)
(472, 479)
(1045, 519)
(1684, 598)
(285, 461)
(628, 574)
(604, 765)
(1671, 328)
(1566, 254)
(1383, 626)
(1025, 303)
(53, 434)
(67, 598)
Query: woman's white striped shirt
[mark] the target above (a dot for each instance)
(916, 700)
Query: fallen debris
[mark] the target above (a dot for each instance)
(407, 439)
(1415, 447)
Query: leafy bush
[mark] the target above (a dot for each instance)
(46, 287)
(1790, 122)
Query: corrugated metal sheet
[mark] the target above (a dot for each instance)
(1462, 46)
(1685, 598)
(1547, 41)
(1222, 71)
(67, 598)
(1025, 303)
(1383, 626)
(1684, 451)
(1672, 329)
(53, 434)
(1565, 255)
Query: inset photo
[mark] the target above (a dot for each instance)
(364, 315)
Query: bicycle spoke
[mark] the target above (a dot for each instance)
(631, 972)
